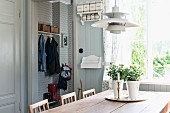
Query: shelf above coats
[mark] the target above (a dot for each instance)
(47, 33)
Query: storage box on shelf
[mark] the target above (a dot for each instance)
(86, 7)
(99, 6)
(80, 8)
(90, 16)
(92, 6)
(90, 11)
(48, 29)
(42, 27)
(39, 27)
(54, 29)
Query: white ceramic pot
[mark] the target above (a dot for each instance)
(133, 89)
(115, 86)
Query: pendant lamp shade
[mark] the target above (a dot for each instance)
(116, 21)
(116, 29)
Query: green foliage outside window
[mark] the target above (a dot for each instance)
(138, 54)
(160, 64)
(138, 47)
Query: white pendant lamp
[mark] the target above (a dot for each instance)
(116, 21)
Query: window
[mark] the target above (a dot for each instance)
(147, 45)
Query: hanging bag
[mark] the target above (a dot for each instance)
(66, 72)
(62, 83)
(64, 76)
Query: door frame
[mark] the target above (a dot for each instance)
(28, 87)
(23, 60)
(75, 42)
(32, 53)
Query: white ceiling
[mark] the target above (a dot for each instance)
(52, 1)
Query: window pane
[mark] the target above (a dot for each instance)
(161, 58)
(139, 54)
(160, 37)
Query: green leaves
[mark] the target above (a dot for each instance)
(113, 70)
(133, 73)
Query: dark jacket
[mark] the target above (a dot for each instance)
(52, 59)
(41, 54)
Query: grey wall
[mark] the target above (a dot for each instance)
(91, 40)
(70, 46)
(62, 17)
(156, 87)
(45, 12)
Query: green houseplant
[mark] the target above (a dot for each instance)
(133, 73)
(113, 72)
(133, 77)
(114, 69)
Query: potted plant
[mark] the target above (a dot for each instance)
(133, 77)
(113, 72)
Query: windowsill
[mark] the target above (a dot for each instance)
(160, 81)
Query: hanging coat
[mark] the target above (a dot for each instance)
(52, 59)
(41, 54)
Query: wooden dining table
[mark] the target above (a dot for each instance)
(152, 102)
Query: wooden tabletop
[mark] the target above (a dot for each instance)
(156, 102)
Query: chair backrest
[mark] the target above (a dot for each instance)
(68, 98)
(39, 106)
(88, 93)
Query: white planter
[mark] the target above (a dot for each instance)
(133, 89)
(115, 86)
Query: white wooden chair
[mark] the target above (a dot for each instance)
(39, 106)
(68, 98)
(88, 93)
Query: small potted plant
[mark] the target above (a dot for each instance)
(133, 77)
(114, 71)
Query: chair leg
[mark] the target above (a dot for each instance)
(78, 93)
(81, 94)
(81, 85)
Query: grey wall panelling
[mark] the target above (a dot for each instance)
(56, 22)
(153, 87)
(70, 46)
(157, 88)
(45, 12)
(62, 17)
(91, 40)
